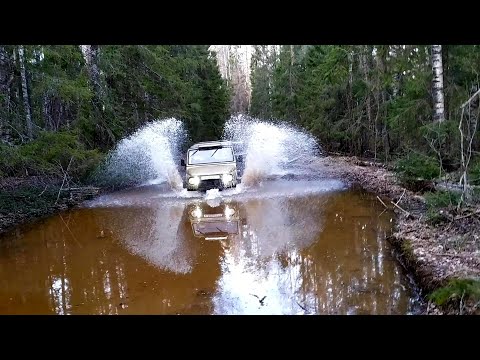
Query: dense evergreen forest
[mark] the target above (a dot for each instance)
(65, 106)
(417, 104)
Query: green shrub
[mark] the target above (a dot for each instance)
(48, 154)
(476, 195)
(436, 201)
(435, 217)
(474, 173)
(469, 289)
(441, 199)
(417, 167)
(416, 171)
(10, 160)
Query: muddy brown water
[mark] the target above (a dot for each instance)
(320, 250)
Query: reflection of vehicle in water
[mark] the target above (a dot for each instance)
(211, 165)
(215, 222)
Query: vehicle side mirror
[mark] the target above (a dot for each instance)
(240, 158)
(182, 162)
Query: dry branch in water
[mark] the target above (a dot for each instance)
(64, 178)
(382, 202)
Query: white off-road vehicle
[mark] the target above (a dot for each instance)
(211, 165)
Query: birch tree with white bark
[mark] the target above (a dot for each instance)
(437, 84)
(25, 94)
(91, 54)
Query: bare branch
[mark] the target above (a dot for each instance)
(468, 215)
(401, 197)
(470, 100)
(43, 190)
(64, 177)
(382, 202)
(405, 211)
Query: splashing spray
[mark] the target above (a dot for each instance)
(270, 149)
(149, 155)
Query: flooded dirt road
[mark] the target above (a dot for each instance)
(288, 247)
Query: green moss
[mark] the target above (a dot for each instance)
(456, 289)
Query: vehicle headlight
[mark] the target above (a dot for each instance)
(229, 211)
(226, 178)
(194, 180)
(197, 212)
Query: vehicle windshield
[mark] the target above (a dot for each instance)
(210, 155)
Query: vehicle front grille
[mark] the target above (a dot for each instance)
(210, 184)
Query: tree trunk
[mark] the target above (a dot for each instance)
(379, 92)
(3, 84)
(437, 84)
(381, 57)
(90, 53)
(290, 80)
(26, 103)
(228, 64)
(366, 69)
(290, 103)
(3, 71)
(246, 70)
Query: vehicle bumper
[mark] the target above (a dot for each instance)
(211, 182)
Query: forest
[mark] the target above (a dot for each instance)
(67, 105)
(413, 105)
(400, 121)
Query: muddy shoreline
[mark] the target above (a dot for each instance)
(429, 253)
(24, 201)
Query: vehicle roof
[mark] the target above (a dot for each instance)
(211, 143)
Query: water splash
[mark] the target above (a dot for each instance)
(270, 149)
(150, 155)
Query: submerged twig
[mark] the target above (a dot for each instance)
(68, 228)
(382, 202)
(64, 178)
